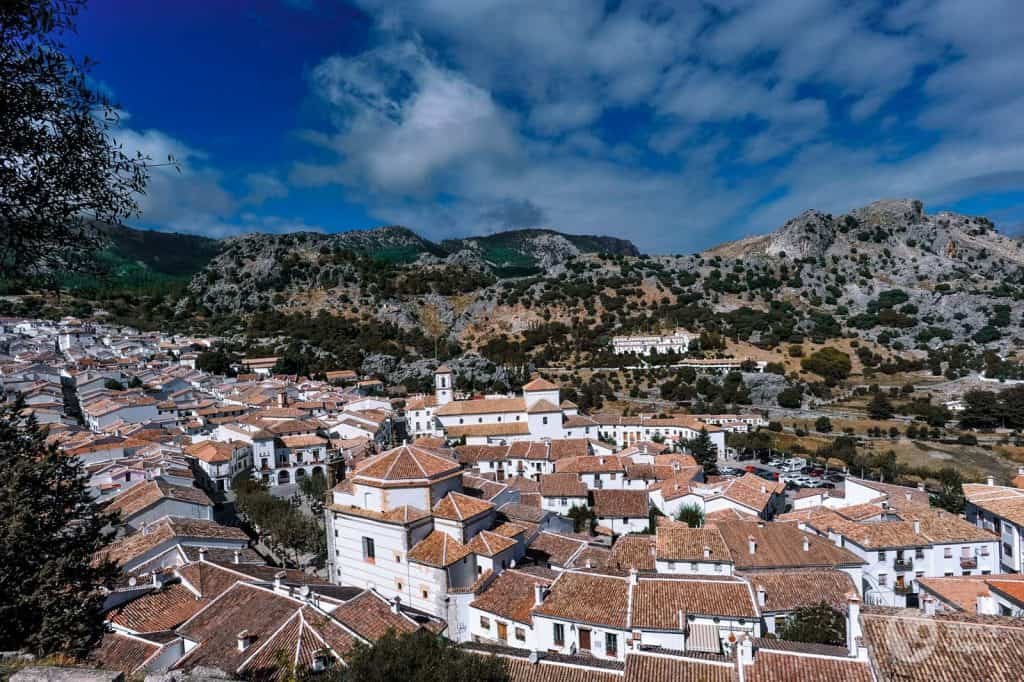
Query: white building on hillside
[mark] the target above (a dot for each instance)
(676, 342)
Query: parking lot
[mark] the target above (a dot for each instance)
(795, 472)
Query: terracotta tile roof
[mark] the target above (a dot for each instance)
(486, 543)
(482, 487)
(936, 527)
(911, 648)
(439, 550)
(555, 670)
(959, 592)
(510, 530)
(588, 598)
(399, 515)
(554, 549)
(1011, 587)
(500, 429)
(459, 507)
(780, 545)
(303, 441)
(788, 590)
(144, 495)
(212, 452)
(523, 512)
(406, 462)
(569, 447)
(682, 543)
(657, 602)
(481, 406)
(633, 551)
(540, 384)
(165, 531)
(274, 621)
(511, 595)
(772, 666)
(621, 504)
(594, 557)
(591, 464)
(562, 485)
(370, 616)
(163, 609)
(117, 651)
(1004, 501)
(657, 668)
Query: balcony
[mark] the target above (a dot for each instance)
(904, 564)
(968, 562)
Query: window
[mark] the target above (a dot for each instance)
(544, 420)
(424, 594)
(881, 556)
(718, 568)
(947, 552)
(369, 552)
(671, 565)
(611, 644)
(485, 623)
(398, 558)
(883, 579)
(693, 566)
(559, 634)
(398, 585)
(564, 501)
(520, 634)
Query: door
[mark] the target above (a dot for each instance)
(584, 639)
(502, 632)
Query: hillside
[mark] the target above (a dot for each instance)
(897, 287)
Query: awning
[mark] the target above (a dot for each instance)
(704, 637)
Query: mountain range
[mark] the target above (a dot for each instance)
(888, 273)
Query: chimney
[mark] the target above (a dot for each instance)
(909, 497)
(244, 640)
(157, 583)
(202, 554)
(633, 576)
(1020, 471)
(920, 486)
(928, 605)
(991, 480)
(986, 605)
(801, 525)
(807, 544)
(707, 552)
(764, 489)
(396, 604)
(238, 556)
(761, 595)
(279, 579)
(538, 594)
(590, 564)
(746, 651)
(917, 527)
(751, 544)
(852, 622)
(282, 399)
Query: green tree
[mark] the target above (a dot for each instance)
(419, 657)
(691, 515)
(113, 385)
(63, 170)
(705, 452)
(583, 519)
(791, 397)
(951, 498)
(830, 364)
(879, 407)
(51, 530)
(823, 425)
(819, 624)
(217, 361)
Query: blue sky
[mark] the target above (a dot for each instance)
(678, 125)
